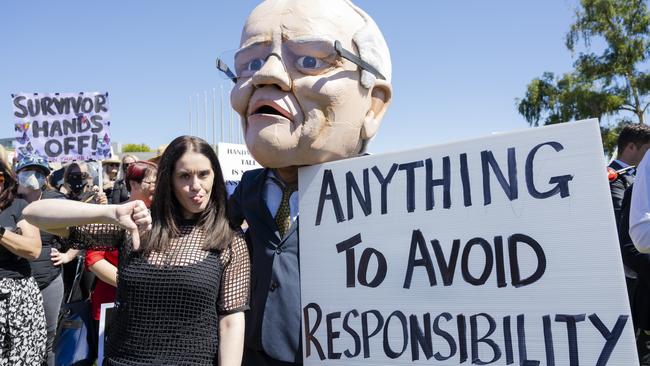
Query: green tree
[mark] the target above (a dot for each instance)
(136, 148)
(609, 83)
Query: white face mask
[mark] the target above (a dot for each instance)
(31, 179)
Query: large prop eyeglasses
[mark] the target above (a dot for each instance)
(307, 62)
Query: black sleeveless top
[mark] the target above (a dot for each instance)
(168, 304)
(11, 265)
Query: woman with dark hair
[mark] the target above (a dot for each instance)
(141, 182)
(22, 320)
(184, 284)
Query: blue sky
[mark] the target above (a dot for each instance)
(457, 65)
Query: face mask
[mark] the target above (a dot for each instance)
(77, 183)
(31, 180)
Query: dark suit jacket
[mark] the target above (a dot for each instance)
(273, 322)
(638, 262)
(618, 187)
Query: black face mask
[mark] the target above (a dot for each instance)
(77, 183)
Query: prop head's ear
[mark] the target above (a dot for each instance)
(381, 94)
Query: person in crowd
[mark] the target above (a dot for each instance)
(140, 179)
(55, 179)
(300, 104)
(120, 191)
(633, 142)
(32, 172)
(110, 172)
(639, 263)
(78, 184)
(22, 320)
(184, 276)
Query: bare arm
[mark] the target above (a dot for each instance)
(105, 271)
(27, 244)
(233, 301)
(231, 339)
(55, 216)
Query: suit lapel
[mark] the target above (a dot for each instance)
(262, 208)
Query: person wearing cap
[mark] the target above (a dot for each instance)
(110, 169)
(22, 321)
(32, 172)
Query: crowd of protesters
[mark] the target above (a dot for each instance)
(187, 197)
(188, 256)
(37, 270)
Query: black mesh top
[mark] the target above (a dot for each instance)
(167, 304)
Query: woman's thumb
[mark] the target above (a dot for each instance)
(135, 238)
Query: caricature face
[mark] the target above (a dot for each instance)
(301, 105)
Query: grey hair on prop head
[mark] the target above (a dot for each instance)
(372, 48)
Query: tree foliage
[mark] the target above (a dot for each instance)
(610, 82)
(136, 148)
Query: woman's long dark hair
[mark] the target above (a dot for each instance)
(9, 187)
(166, 211)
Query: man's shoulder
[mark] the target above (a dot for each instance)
(253, 175)
(614, 164)
(50, 193)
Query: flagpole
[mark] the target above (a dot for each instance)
(214, 92)
(198, 108)
(205, 95)
(221, 138)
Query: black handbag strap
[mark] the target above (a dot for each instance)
(76, 284)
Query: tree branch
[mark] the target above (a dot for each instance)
(646, 107)
(626, 108)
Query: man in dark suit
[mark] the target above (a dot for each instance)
(639, 264)
(633, 142)
(303, 101)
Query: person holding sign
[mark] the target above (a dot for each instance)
(312, 85)
(183, 273)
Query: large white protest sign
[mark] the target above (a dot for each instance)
(234, 160)
(62, 126)
(501, 250)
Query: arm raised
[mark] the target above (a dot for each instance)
(54, 215)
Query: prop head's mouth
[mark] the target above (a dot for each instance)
(269, 107)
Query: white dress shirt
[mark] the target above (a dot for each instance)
(640, 207)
